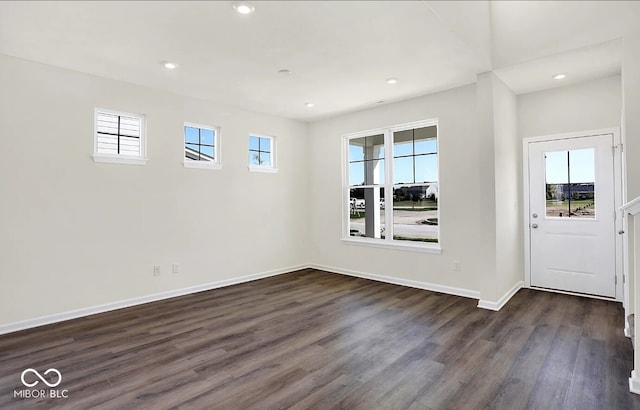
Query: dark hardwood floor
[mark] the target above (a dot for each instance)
(312, 339)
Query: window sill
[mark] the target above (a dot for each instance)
(202, 164)
(377, 243)
(264, 169)
(112, 159)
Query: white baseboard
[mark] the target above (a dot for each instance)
(467, 293)
(487, 304)
(634, 383)
(73, 314)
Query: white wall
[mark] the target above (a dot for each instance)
(581, 107)
(631, 84)
(508, 200)
(484, 131)
(76, 234)
(631, 140)
(460, 189)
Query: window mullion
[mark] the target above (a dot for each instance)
(388, 185)
(413, 156)
(119, 134)
(199, 144)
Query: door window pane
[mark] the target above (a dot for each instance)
(570, 183)
(582, 176)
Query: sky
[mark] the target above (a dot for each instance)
(579, 165)
(425, 162)
(195, 136)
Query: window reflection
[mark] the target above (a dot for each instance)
(366, 212)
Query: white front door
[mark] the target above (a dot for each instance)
(572, 215)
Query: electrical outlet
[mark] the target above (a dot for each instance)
(175, 268)
(156, 270)
(457, 266)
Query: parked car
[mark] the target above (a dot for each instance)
(357, 203)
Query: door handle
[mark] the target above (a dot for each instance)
(534, 226)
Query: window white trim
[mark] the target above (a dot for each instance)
(388, 242)
(216, 163)
(425, 247)
(115, 158)
(263, 168)
(271, 168)
(189, 163)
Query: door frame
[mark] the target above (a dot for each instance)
(621, 294)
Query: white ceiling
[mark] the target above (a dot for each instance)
(339, 52)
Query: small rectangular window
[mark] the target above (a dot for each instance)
(119, 137)
(201, 146)
(262, 153)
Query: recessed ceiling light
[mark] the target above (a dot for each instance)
(284, 71)
(169, 65)
(392, 80)
(309, 105)
(560, 76)
(244, 8)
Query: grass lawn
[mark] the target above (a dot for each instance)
(579, 208)
(402, 238)
(424, 203)
(574, 202)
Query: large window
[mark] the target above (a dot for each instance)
(392, 186)
(119, 137)
(201, 146)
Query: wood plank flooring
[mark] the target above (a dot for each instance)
(317, 340)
